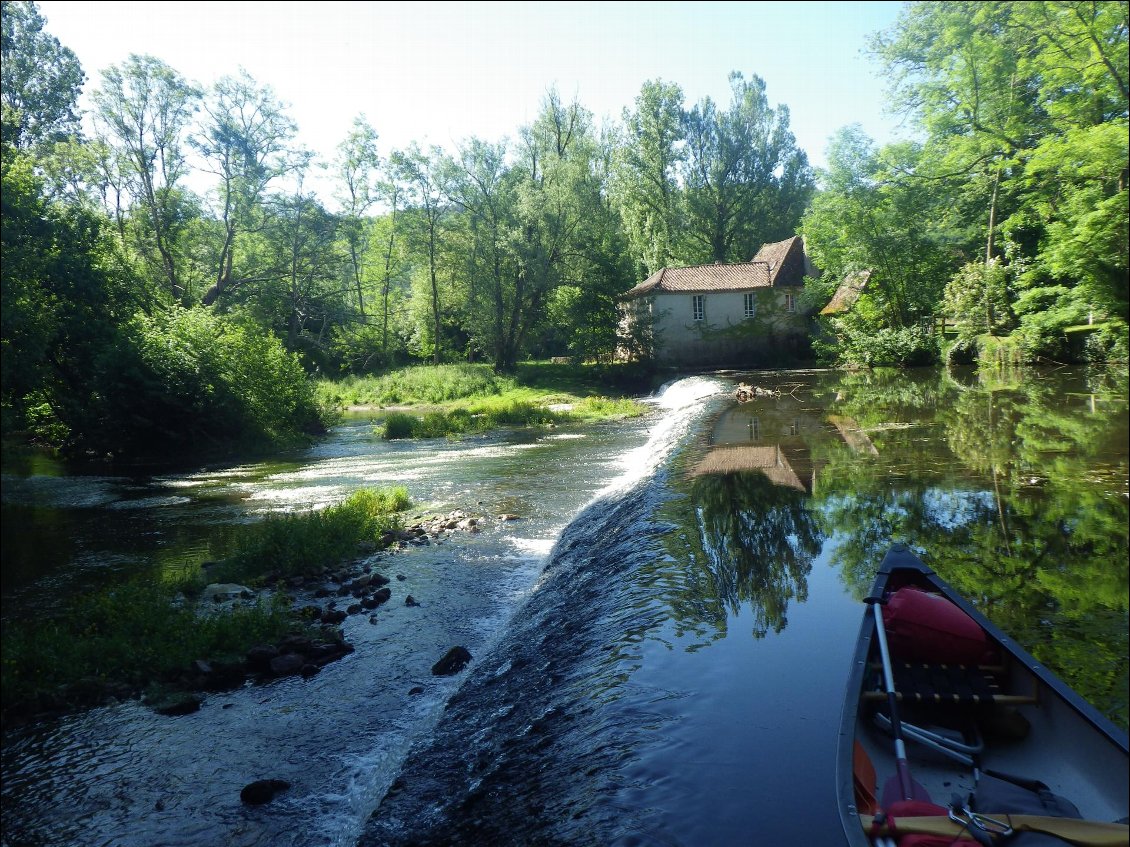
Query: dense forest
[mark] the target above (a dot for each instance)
(145, 313)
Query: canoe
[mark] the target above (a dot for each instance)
(978, 717)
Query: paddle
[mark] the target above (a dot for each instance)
(902, 786)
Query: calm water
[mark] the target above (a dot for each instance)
(660, 643)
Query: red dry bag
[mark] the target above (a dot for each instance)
(925, 627)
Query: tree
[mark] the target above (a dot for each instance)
(869, 217)
(357, 164)
(144, 107)
(421, 176)
(245, 143)
(747, 182)
(1024, 111)
(41, 79)
(645, 177)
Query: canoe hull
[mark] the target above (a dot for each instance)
(1068, 745)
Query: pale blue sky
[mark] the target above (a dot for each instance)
(437, 73)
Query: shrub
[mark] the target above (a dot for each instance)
(189, 379)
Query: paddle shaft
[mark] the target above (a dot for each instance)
(901, 763)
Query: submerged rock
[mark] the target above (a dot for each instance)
(454, 661)
(262, 791)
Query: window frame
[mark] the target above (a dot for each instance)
(749, 305)
(698, 307)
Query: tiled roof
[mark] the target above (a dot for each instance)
(705, 278)
(780, 263)
(785, 260)
(847, 293)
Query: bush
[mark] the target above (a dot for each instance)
(189, 379)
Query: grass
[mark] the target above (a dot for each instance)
(451, 400)
(420, 385)
(122, 639)
(509, 410)
(306, 543)
(143, 632)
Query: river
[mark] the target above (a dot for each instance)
(660, 641)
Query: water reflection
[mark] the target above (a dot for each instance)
(1014, 488)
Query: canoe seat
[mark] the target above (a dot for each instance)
(953, 685)
(943, 684)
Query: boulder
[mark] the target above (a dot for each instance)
(259, 657)
(287, 664)
(453, 661)
(262, 791)
(220, 591)
(177, 703)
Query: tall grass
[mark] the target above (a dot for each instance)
(420, 385)
(304, 544)
(127, 637)
(136, 633)
(505, 411)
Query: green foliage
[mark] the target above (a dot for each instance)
(515, 409)
(123, 638)
(861, 342)
(191, 379)
(306, 543)
(41, 81)
(420, 384)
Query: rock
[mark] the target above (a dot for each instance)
(177, 703)
(296, 644)
(378, 580)
(220, 591)
(454, 661)
(383, 595)
(401, 577)
(411, 601)
(353, 609)
(334, 616)
(414, 690)
(370, 603)
(262, 791)
(309, 671)
(287, 664)
(259, 658)
(506, 516)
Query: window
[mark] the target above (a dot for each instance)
(790, 302)
(750, 305)
(698, 306)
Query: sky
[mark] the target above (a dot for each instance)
(436, 73)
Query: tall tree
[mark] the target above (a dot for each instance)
(747, 182)
(421, 174)
(245, 144)
(40, 80)
(482, 186)
(1023, 108)
(357, 165)
(144, 108)
(645, 177)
